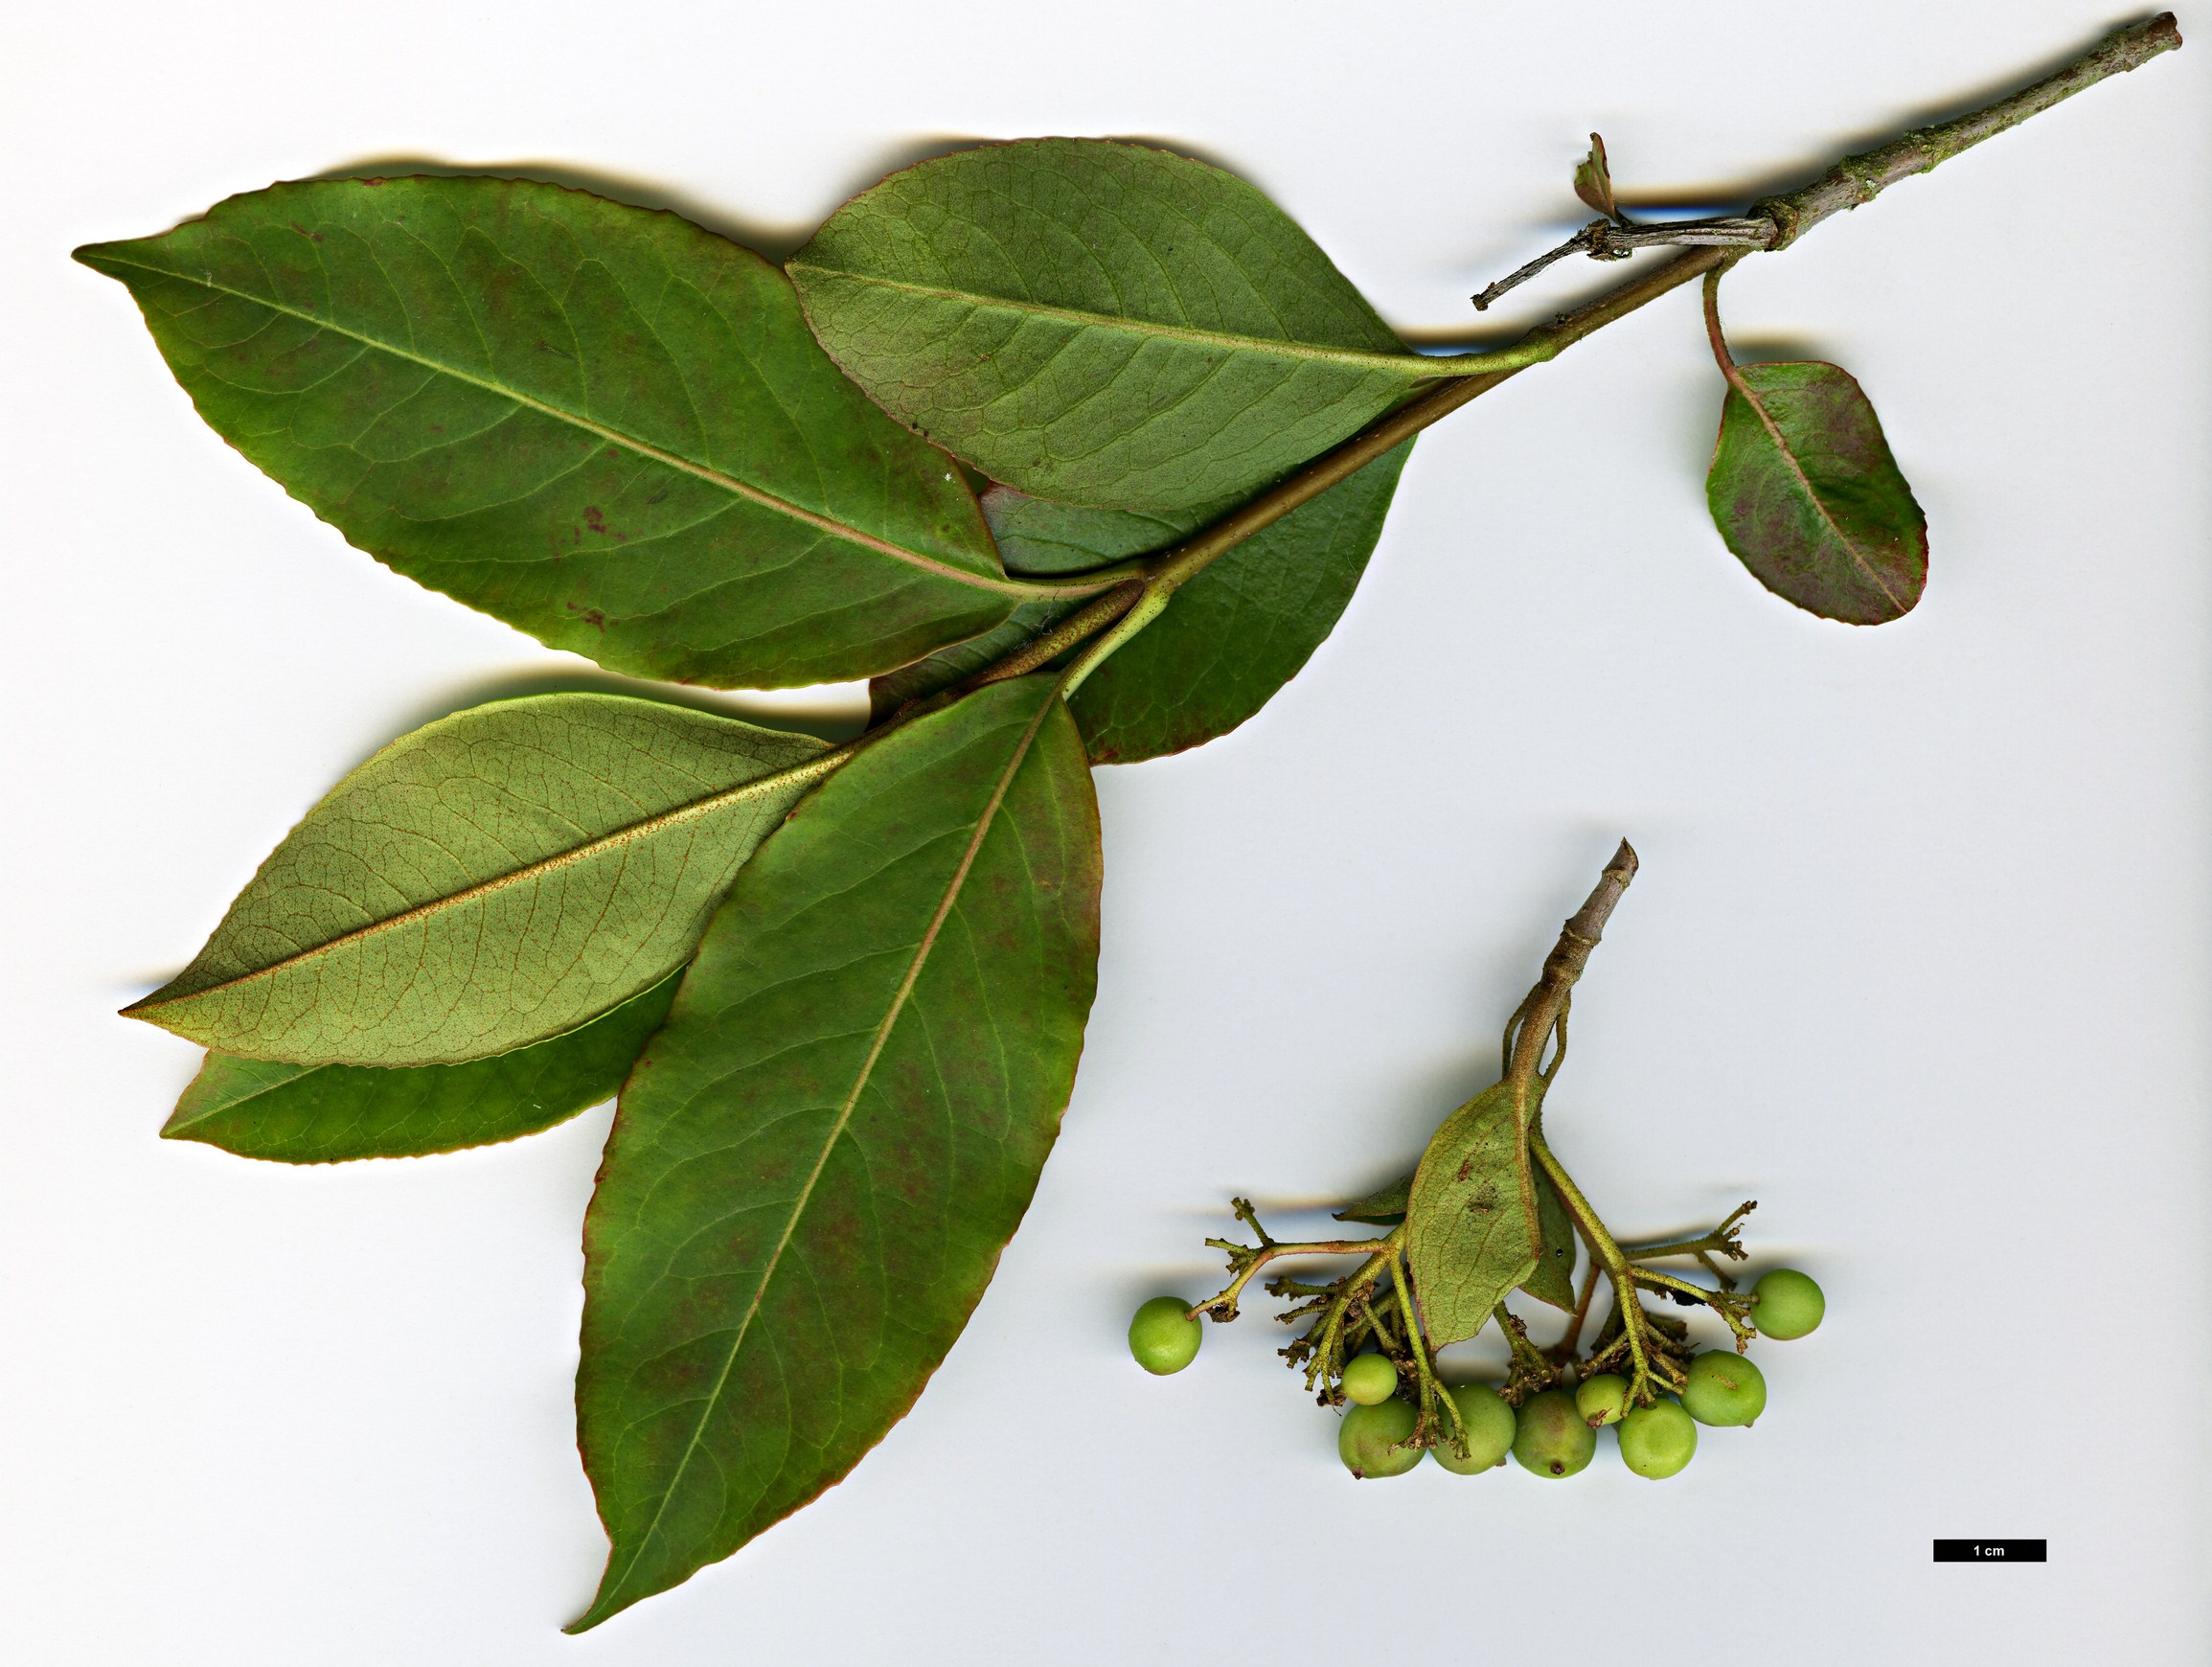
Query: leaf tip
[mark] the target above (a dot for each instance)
(144, 1006)
(605, 1605)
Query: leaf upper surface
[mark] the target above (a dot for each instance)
(1099, 323)
(1473, 1231)
(493, 879)
(601, 424)
(1240, 629)
(814, 1167)
(294, 1113)
(1805, 491)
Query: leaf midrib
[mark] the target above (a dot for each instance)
(1820, 504)
(628, 833)
(876, 1046)
(176, 1127)
(614, 435)
(1413, 367)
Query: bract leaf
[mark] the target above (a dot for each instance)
(1554, 1278)
(816, 1163)
(497, 878)
(295, 1113)
(1228, 639)
(601, 424)
(1472, 1226)
(1805, 491)
(1594, 180)
(1381, 1208)
(1099, 323)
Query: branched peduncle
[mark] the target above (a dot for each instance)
(1650, 1348)
(1721, 1240)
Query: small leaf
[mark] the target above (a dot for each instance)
(1385, 1208)
(1472, 1226)
(947, 667)
(600, 423)
(497, 878)
(1099, 323)
(1594, 181)
(1228, 639)
(329, 1114)
(1554, 1278)
(814, 1167)
(1241, 630)
(1806, 493)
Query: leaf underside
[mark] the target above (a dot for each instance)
(294, 1113)
(1099, 323)
(1805, 491)
(815, 1165)
(493, 879)
(1384, 1207)
(1554, 1278)
(601, 424)
(1473, 1232)
(1229, 638)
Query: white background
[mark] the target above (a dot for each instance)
(1918, 957)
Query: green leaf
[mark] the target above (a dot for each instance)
(1228, 639)
(1806, 493)
(1382, 1208)
(1554, 1278)
(497, 878)
(1473, 1231)
(601, 424)
(1099, 323)
(1241, 630)
(329, 1114)
(814, 1167)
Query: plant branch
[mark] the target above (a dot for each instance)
(1860, 178)
(1775, 222)
(1464, 378)
(1544, 1010)
(1608, 240)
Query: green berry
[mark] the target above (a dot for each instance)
(1550, 1437)
(1602, 1400)
(1370, 1379)
(1723, 1389)
(1368, 1438)
(1488, 1423)
(1788, 1304)
(1659, 1440)
(1163, 1337)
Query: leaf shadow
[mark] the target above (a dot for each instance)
(774, 241)
(829, 712)
(1773, 349)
